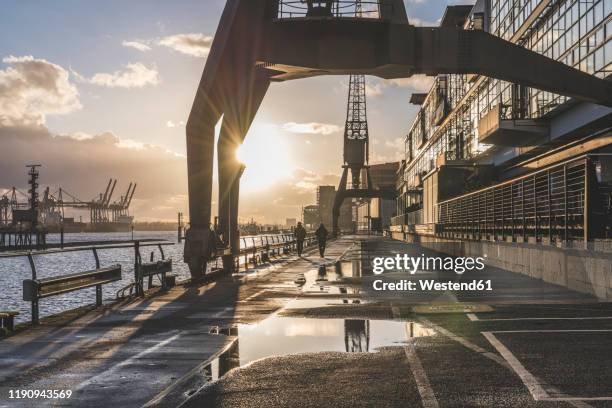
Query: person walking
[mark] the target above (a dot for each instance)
(322, 234)
(300, 236)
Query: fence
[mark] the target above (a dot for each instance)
(260, 247)
(36, 288)
(550, 204)
(409, 218)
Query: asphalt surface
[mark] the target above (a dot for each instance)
(259, 339)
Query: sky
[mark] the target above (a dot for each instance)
(97, 90)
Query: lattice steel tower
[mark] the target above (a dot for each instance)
(356, 148)
(356, 129)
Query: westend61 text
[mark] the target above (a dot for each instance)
(430, 284)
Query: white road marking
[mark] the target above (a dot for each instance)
(127, 362)
(531, 382)
(428, 397)
(501, 361)
(552, 331)
(256, 294)
(474, 318)
(220, 313)
(464, 342)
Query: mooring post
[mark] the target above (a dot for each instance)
(35, 317)
(180, 227)
(163, 257)
(98, 287)
(139, 289)
(151, 257)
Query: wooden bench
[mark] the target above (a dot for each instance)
(148, 270)
(7, 320)
(36, 289)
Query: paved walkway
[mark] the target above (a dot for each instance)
(331, 342)
(126, 354)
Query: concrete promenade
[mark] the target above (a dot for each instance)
(310, 332)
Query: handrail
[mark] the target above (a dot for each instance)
(83, 248)
(514, 180)
(262, 252)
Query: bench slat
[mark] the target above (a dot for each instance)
(41, 288)
(150, 269)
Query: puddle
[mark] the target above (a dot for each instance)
(321, 280)
(281, 336)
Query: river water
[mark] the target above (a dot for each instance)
(14, 270)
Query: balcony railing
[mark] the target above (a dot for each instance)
(410, 218)
(547, 205)
(337, 9)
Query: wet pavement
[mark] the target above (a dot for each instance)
(311, 332)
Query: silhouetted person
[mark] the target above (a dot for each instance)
(300, 236)
(322, 234)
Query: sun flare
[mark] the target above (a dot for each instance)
(267, 156)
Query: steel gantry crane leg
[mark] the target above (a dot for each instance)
(254, 45)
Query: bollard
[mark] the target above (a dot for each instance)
(137, 282)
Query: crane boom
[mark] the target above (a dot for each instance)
(111, 193)
(131, 196)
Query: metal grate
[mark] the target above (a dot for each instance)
(546, 204)
(335, 8)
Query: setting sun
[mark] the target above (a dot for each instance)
(267, 155)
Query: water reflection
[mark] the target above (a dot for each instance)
(327, 279)
(281, 336)
(357, 336)
(226, 362)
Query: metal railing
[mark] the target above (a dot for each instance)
(336, 9)
(37, 288)
(409, 218)
(257, 249)
(548, 204)
(398, 220)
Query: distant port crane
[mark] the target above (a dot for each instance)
(16, 206)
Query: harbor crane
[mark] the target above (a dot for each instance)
(262, 41)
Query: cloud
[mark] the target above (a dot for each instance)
(312, 128)
(82, 164)
(193, 44)
(171, 124)
(374, 90)
(422, 23)
(139, 45)
(397, 143)
(419, 83)
(32, 88)
(133, 75)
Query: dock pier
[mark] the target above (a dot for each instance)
(279, 336)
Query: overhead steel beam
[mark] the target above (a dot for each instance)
(312, 47)
(252, 42)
